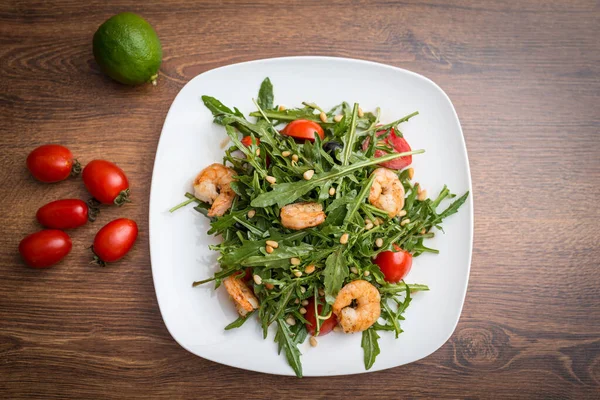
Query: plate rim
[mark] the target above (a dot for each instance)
(315, 58)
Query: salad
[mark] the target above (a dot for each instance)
(320, 219)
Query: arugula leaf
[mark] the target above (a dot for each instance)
(288, 192)
(265, 95)
(217, 108)
(335, 272)
(370, 346)
(286, 341)
(452, 208)
(239, 322)
(350, 137)
(280, 258)
(359, 199)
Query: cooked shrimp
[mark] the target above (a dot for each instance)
(387, 192)
(212, 186)
(245, 301)
(302, 215)
(368, 308)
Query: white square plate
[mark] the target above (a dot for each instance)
(195, 317)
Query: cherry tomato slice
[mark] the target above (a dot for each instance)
(395, 265)
(45, 248)
(52, 163)
(106, 182)
(326, 325)
(399, 144)
(114, 240)
(63, 214)
(303, 129)
(247, 141)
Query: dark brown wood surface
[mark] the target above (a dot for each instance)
(525, 80)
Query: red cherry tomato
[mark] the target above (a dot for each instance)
(52, 163)
(394, 265)
(303, 129)
(399, 144)
(63, 214)
(106, 182)
(45, 248)
(114, 240)
(247, 275)
(247, 141)
(326, 325)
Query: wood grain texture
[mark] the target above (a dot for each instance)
(524, 79)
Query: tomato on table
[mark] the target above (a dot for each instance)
(303, 129)
(114, 240)
(399, 144)
(52, 163)
(63, 214)
(106, 182)
(45, 248)
(394, 265)
(326, 325)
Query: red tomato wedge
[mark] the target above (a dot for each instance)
(247, 141)
(63, 214)
(399, 144)
(303, 129)
(326, 325)
(394, 265)
(45, 248)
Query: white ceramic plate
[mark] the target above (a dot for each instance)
(195, 317)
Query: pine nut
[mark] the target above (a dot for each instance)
(297, 274)
(379, 242)
(313, 341)
(360, 112)
(257, 279)
(411, 173)
(251, 214)
(271, 179)
(286, 153)
(405, 221)
(321, 292)
(269, 249)
(258, 152)
(304, 302)
(308, 174)
(323, 117)
(297, 301)
(379, 221)
(367, 273)
(402, 213)
(290, 320)
(338, 118)
(302, 289)
(302, 310)
(331, 191)
(281, 108)
(272, 243)
(309, 270)
(269, 286)
(423, 231)
(295, 261)
(422, 195)
(344, 238)
(354, 270)
(376, 222)
(369, 226)
(295, 157)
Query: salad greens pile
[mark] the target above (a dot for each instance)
(347, 168)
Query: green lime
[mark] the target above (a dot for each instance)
(127, 49)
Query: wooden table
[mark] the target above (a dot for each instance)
(525, 82)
